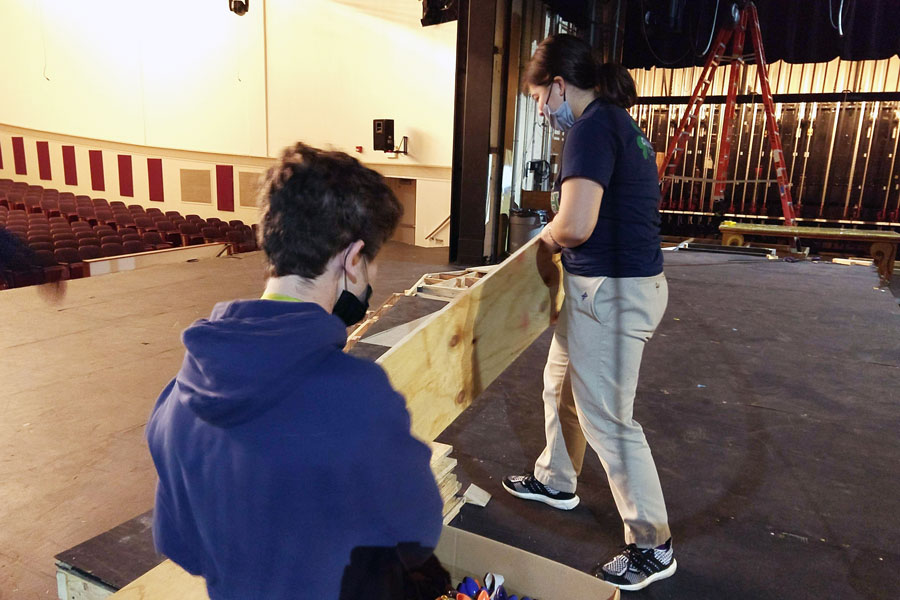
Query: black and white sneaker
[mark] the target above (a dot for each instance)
(529, 488)
(635, 568)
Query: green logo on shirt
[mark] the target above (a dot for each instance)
(643, 143)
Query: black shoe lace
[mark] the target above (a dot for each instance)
(644, 561)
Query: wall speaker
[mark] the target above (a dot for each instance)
(383, 134)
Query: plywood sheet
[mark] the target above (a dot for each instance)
(168, 580)
(448, 488)
(448, 360)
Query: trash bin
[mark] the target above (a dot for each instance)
(524, 224)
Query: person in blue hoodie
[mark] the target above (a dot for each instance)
(279, 456)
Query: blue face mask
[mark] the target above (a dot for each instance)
(562, 118)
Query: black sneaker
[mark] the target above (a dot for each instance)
(635, 568)
(529, 488)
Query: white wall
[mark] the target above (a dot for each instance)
(188, 75)
(204, 77)
(335, 65)
(432, 210)
(193, 76)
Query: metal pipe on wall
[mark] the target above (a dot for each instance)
(828, 160)
(857, 137)
(767, 185)
(809, 135)
(763, 140)
(887, 192)
(749, 153)
(862, 185)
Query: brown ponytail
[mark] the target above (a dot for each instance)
(615, 85)
(572, 59)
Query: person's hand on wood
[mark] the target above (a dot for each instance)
(549, 271)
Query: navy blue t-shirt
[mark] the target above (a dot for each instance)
(606, 145)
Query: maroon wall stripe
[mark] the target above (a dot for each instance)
(98, 183)
(154, 172)
(71, 172)
(126, 179)
(43, 152)
(19, 155)
(225, 187)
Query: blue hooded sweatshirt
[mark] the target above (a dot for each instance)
(278, 454)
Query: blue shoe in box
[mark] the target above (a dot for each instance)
(469, 587)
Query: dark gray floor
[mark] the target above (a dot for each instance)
(770, 399)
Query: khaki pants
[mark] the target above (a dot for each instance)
(599, 340)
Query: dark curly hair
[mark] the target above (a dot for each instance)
(315, 203)
(572, 59)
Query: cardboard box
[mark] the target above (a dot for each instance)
(462, 553)
(466, 554)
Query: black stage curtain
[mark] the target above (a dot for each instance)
(797, 31)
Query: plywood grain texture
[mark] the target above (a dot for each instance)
(449, 359)
(168, 580)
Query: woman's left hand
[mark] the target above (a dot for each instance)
(547, 240)
(550, 275)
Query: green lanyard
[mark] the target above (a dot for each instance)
(279, 297)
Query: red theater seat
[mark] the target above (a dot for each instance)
(111, 249)
(212, 234)
(52, 270)
(89, 252)
(132, 247)
(190, 235)
(145, 224)
(61, 243)
(71, 259)
(155, 241)
(169, 232)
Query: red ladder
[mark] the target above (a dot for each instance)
(675, 153)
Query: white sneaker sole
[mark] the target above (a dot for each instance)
(560, 504)
(668, 572)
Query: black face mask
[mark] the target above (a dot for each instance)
(350, 309)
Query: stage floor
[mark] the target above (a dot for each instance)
(769, 396)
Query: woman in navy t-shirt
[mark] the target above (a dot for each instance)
(607, 229)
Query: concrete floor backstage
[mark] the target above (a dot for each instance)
(769, 396)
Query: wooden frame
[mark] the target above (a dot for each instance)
(449, 359)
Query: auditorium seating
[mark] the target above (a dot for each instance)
(62, 230)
